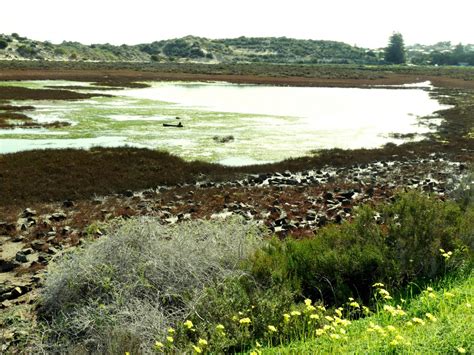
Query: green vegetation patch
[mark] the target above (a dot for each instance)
(218, 287)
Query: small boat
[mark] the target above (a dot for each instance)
(179, 125)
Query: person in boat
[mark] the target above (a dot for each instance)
(179, 125)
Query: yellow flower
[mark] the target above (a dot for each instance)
(286, 317)
(171, 330)
(307, 302)
(391, 328)
(310, 308)
(314, 316)
(272, 328)
(127, 353)
(442, 251)
(170, 339)
(365, 309)
(159, 345)
(468, 305)
(295, 313)
(188, 324)
(245, 321)
(202, 342)
(378, 284)
(449, 294)
(351, 299)
(431, 317)
(335, 336)
(319, 332)
(345, 322)
(197, 349)
(220, 327)
(354, 304)
(394, 342)
(461, 350)
(339, 311)
(258, 345)
(342, 331)
(429, 289)
(329, 318)
(321, 308)
(409, 323)
(431, 295)
(418, 320)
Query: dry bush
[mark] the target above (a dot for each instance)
(140, 279)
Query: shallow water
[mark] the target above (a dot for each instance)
(268, 123)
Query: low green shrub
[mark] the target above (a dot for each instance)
(343, 261)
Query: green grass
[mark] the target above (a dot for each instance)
(450, 305)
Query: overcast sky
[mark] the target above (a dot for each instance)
(366, 23)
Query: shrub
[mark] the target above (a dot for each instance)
(3, 43)
(343, 261)
(140, 279)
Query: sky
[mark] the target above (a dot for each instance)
(365, 23)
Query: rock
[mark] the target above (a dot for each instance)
(322, 220)
(27, 251)
(328, 195)
(8, 265)
(128, 193)
(68, 204)
(21, 257)
(38, 245)
(28, 213)
(224, 139)
(18, 238)
(58, 217)
(347, 194)
(311, 215)
(44, 258)
(3, 305)
(52, 251)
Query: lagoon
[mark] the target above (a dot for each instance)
(267, 123)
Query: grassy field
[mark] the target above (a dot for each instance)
(438, 321)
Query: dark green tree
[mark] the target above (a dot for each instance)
(395, 51)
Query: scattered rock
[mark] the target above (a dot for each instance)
(68, 204)
(28, 213)
(38, 245)
(57, 217)
(21, 257)
(8, 265)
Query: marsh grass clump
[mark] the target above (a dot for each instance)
(139, 279)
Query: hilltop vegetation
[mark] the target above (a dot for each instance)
(195, 49)
(236, 50)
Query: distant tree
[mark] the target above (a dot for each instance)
(395, 51)
(3, 43)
